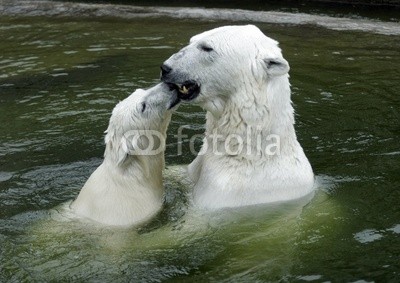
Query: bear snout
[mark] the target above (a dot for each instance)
(165, 70)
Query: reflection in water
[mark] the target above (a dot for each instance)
(60, 79)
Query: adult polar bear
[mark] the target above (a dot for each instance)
(239, 76)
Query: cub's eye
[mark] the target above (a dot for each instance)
(206, 48)
(143, 106)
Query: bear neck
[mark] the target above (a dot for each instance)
(260, 112)
(145, 170)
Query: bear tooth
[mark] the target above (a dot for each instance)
(184, 90)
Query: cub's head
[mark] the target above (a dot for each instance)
(138, 124)
(221, 62)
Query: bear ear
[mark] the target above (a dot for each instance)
(115, 147)
(276, 66)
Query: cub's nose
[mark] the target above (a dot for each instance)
(165, 70)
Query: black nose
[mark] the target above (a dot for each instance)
(165, 70)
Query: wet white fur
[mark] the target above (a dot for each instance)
(127, 189)
(244, 83)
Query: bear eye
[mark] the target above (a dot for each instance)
(143, 106)
(206, 48)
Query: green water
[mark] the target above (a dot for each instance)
(60, 79)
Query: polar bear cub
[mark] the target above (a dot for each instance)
(250, 152)
(127, 188)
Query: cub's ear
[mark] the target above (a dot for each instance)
(275, 66)
(115, 147)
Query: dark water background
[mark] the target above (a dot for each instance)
(60, 79)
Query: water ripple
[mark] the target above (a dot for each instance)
(67, 9)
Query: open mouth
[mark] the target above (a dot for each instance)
(186, 91)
